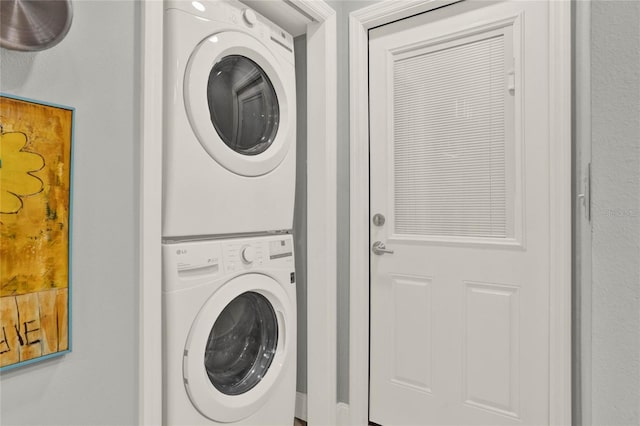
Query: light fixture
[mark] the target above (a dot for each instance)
(32, 25)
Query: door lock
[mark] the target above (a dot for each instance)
(379, 248)
(378, 219)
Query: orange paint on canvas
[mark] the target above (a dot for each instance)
(35, 240)
(35, 172)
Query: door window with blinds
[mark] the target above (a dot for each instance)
(454, 140)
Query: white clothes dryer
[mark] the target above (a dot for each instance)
(229, 121)
(229, 332)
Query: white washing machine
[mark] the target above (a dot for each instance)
(230, 332)
(229, 121)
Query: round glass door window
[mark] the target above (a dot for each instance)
(243, 105)
(241, 344)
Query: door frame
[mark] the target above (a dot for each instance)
(560, 254)
(321, 207)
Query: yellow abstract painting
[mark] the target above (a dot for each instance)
(35, 203)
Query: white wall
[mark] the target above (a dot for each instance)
(94, 69)
(615, 103)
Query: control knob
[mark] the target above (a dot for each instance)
(250, 17)
(248, 254)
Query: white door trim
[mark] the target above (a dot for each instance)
(150, 293)
(582, 217)
(560, 252)
(322, 133)
(385, 12)
(321, 233)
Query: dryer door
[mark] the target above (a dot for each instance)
(238, 106)
(237, 347)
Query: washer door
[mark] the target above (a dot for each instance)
(237, 103)
(236, 348)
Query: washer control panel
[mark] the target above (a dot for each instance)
(243, 255)
(249, 254)
(186, 264)
(193, 262)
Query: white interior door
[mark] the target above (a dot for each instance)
(459, 126)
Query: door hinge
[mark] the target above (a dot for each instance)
(585, 196)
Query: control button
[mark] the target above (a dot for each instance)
(248, 254)
(250, 17)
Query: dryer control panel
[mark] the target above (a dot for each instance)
(238, 14)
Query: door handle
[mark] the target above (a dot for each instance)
(379, 248)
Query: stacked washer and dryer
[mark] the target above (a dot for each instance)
(229, 294)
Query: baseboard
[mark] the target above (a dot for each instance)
(342, 414)
(301, 406)
(342, 410)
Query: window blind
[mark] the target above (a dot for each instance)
(449, 141)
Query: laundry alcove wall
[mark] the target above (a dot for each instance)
(300, 212)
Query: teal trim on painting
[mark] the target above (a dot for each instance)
(70, 236)
(34, 101)
(70, 252)
(34, 360)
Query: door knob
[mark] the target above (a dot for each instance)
(379, 248)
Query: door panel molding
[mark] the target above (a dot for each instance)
(360, 22)
(506, 332)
